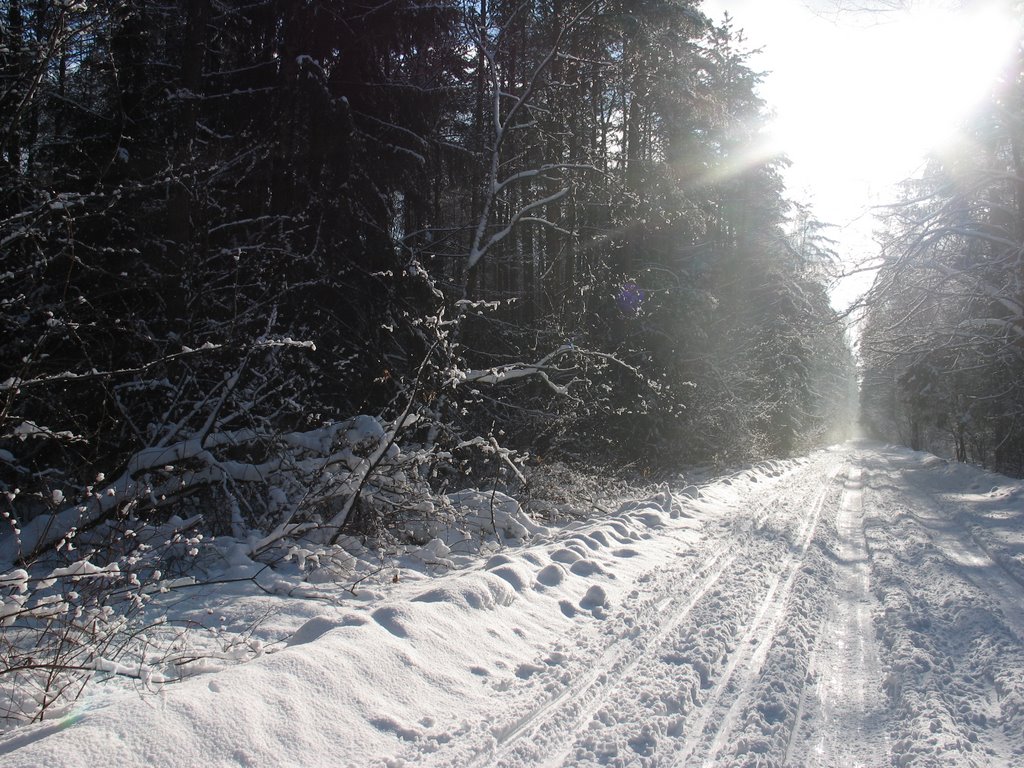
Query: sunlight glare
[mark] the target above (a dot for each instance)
(861, 98)
(899, 90)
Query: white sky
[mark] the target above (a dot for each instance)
(861, 97)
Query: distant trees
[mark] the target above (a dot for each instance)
(226, 225)
(943, 344)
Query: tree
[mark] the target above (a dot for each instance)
(229, 224)
(945, 331)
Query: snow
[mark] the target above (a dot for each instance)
(863, 605)
(81, 569)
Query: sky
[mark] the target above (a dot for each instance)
(861, 96)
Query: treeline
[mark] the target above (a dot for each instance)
(278, 257)
(943, 343)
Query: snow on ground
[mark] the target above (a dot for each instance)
(861, 606)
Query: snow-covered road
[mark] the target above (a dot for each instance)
(861, 606)
(841, 718)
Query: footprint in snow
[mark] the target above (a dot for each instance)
(568, 555)
(595, 601)
(321, 625)
(403, 732)
(243, 758)
(497, 560)
(517, 577)
(589, 568)
(526, 670)
(585, 540)
(551, 575)
(390, 620)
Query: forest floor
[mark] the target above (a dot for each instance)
(863, 605)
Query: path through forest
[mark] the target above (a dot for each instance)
(861, 606)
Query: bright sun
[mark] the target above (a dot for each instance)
(904, 88)
(861, 98)
(890, 93)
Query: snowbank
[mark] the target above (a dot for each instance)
(343, 677)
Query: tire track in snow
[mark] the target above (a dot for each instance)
(707, 735)
(548, 734)
(847, 699)
(577, 703)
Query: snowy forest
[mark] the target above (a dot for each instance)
(468, 237)
(285, 283)
(943, 342)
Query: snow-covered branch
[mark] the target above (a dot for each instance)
(503, 121)
(330, 462)
(480, 249)
(67, 377)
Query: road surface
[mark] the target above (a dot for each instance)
(842, 615)
(862, 606)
